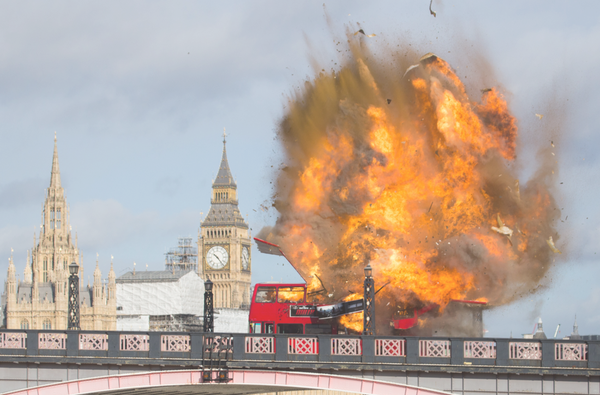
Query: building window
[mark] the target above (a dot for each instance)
(45, 271)
(24, 324)
(58, 218)
(47, 324)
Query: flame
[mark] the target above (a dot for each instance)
(354, 322)
(411, 186)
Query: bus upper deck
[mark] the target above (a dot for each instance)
(282, 308)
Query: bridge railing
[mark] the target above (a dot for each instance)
(301, 348)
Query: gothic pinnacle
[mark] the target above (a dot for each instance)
(55, 174)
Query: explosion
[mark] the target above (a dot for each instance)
(398, 167)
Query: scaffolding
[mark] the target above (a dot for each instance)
(184, 257)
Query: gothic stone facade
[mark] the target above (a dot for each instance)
(40, 301)
(224, 244)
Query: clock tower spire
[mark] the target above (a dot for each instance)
(224, 242)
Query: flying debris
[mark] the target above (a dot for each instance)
(365, 34)
(414, 66)
(503, 229)
(552, 246)
(540, 116)
(486, 90)
(552, 143)
(430, 10)
(428, 57)
(389, 101)
(425, 59)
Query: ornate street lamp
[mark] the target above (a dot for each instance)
(73, 298)
(209, 314)
(369, 299)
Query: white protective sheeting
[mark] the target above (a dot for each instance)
(231, 321)
(184, 296)
(135, 323)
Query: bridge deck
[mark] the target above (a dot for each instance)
(442, 360)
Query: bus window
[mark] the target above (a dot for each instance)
(265, 295)
(262, 327)
(289, 328)
(318, 329)
(290, 295)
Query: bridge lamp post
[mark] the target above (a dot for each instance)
(369, 303)
(209, 314)
(73, 323)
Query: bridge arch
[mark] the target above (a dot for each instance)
(240, 382)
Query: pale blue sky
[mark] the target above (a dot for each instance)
(139, 93)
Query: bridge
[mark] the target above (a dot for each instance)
(83, 362)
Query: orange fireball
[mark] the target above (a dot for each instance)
(412, 185)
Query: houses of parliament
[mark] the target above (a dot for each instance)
(40, 300)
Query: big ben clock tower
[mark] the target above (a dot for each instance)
(224, 243)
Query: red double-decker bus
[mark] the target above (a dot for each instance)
(282, 308)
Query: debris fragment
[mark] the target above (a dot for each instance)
(552, 246)
(363, 32)
(486, 90)
(503, 229)
(389, 101)
(430, 206)
(410, 68)
(540, 116)
(430, 10)
(552, 143)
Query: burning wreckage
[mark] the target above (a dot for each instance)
(406, 321)
(405, 171)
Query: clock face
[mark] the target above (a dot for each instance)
(217, 257)
(245, 258)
